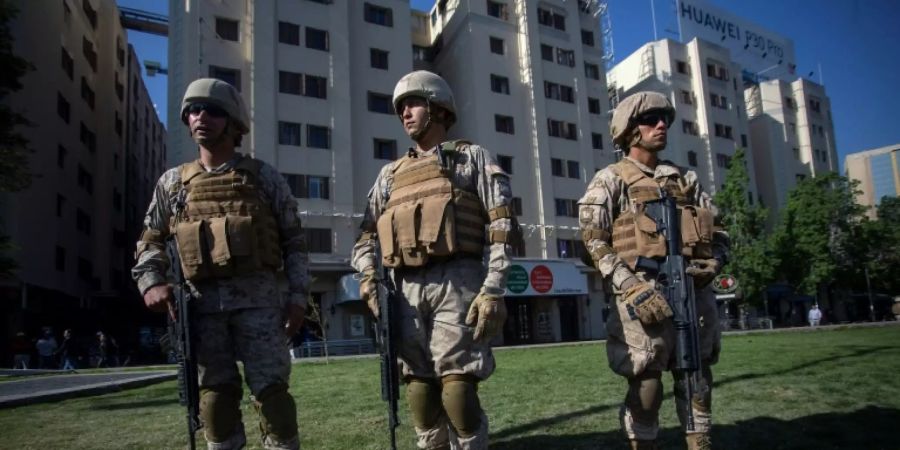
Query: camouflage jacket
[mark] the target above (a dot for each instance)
(607, 196)
(475, 170)
(256, 289)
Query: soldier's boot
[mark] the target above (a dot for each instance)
(637, 444)
(698, 441)
(220, 415)
(277, 418)
(424, 398)
(459, 395)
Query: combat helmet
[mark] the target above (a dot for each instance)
(429, 86)
(633, 106)
(221, 94)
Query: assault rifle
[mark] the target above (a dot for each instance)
(678, 289)
(386, 338)
(181, 338)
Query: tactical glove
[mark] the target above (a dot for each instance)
(703, 271)
(487, 314)
(368, 290)
(646, 304)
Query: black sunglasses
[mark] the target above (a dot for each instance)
(653, 118)
(212, 110)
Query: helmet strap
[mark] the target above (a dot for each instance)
(419, 134)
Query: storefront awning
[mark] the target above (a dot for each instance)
(545, 277)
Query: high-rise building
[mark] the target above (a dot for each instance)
(318, 77)
(878, 173)
(97, 142)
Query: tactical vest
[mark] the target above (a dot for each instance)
(225, 228)
(427, 216)
(635, 234)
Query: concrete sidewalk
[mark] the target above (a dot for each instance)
(58, 387)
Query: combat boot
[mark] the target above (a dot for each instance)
(698, 441)
(637, 444)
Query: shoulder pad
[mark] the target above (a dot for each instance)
(455, 145)
(190, 170)
(629, 172)
(250, 165)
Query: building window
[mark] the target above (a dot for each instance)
(318, 240)
(385, 149)
(500, 84)
(61, 156)
(88, 138)
(378, 59)
(689, 127)
(559, 92)
(60, 204)
(692, 158)
(85, 269)
(497, 46)
(505, 163)
(288, 33)
(570, 248)
(318, 136)
(546, 52)
(380, 103)
(290, 83)
(117, 200)
(687, 97)
(378, 15)
(87, 48)
(815, 105)
(85, 180)
(497, 9)
(289, 133)
(796, 153)
(716, 71)
(597, 141)
(789, 103)
(592, 71)
(566, 207)
(90, 13)
(551, 19)
(62, 107)
(718, 101)
(744, 140)
(565, 130)
(308, 186)
(504, 124)
(565, 57)
(317, 39)
(800, 177)
(314, 86)
(227, 29)
(572, 167)
(230, 76)
(556, 167)
(722, 160)
(517, 206)
(682, 67)
(723, 131)
(82, 222)
(60, 259)
(587, 38)
(593, 105)
(87, 94)
(68, 64)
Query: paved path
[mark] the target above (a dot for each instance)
(58, 387)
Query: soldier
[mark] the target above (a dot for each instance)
(641, 334)
(427, 214)
(235, 222)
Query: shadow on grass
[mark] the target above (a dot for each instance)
(135, 405)
(871, 428)
(549, 421)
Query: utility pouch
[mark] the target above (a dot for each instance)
(189, 237)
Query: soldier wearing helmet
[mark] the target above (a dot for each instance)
(641, 334)
(432, 216)
(235, 224)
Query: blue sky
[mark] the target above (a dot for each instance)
(853, 41)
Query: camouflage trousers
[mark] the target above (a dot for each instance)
(254, 336)
(635, 351)
(434, 339)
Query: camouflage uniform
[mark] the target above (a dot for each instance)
(632, 347)
(435, 341)
(238, 318)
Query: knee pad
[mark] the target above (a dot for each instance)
(645, 396)
(220, 411)
(277, 413)
(459, 396)
(424, 398)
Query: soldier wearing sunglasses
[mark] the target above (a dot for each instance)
(615, 231)
(235, 223)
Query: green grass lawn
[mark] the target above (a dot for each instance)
(827, 389)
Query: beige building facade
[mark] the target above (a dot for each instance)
(318, 77)
(878, 173)
(97, 142)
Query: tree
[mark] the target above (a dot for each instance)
(876, 247)
(814, 239)
(751, 260)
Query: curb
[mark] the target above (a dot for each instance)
(84, 390)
